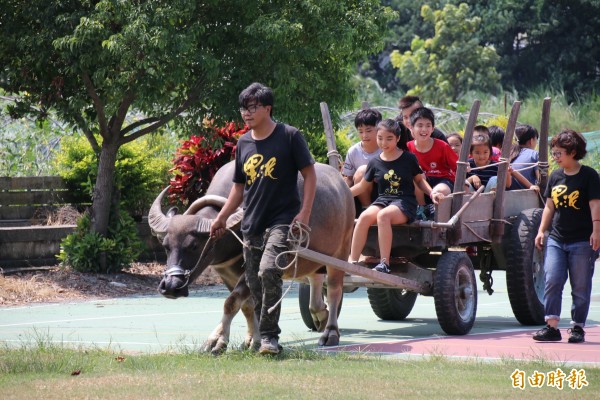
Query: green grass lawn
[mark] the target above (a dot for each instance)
(56, 372)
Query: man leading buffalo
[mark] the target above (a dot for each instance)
(267, 161)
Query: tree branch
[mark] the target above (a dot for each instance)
(137, 124)
(121, 114)
(88, 134)
(98, 104)
(160, 121)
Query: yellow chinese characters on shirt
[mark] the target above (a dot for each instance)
(254, 168)
(560, 198)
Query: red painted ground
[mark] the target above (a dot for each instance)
(512, 345)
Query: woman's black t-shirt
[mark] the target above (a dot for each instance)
(571, 195)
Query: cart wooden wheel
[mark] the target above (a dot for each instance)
(455, 293)
(304, 303)
(391, 304)
(525, 269)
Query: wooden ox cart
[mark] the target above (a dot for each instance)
(430, 257)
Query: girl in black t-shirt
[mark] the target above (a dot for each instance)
(572, 214)
(395, 172)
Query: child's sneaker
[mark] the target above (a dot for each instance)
(382, 267)
(577, 334)
(421, 213)
(429, 212)
(548, 334)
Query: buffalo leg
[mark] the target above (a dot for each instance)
(239, 298)
(317, 307)
(335, 282)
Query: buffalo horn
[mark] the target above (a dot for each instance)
(158, 221)
(208, 200)
(233, 220)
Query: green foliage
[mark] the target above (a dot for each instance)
(539, 42)
(162, 54)
(452, 62)
(543, 42)
(95, 62)
(82, 249)
(140, 173)
(317, 143)
(581, 115)
(398, 36)
(368, 89)
(27, 146)
(592, 158)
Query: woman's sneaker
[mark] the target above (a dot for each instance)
(548, 334)
(577, 334)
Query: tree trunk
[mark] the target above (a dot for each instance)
(103, 193)
(105, 185)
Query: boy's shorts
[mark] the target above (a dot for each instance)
(434, 181)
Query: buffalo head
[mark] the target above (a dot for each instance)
(186, 239)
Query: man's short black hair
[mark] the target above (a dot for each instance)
(368, 117)
(408, 101)
(258, 93)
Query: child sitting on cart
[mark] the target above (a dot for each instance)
(482, 170)
(436, 158)
(395, 172)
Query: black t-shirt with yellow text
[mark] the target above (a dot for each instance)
(571, 195)
(394, 179)
(268, 168)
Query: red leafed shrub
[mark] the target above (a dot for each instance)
(199, 158)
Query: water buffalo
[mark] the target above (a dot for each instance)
(185, 239)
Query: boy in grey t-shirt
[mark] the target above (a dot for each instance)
(359, 154)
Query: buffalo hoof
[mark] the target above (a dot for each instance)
(331, 337)
(173, 287)
(214, 347)
(247, 343)
(320, 319)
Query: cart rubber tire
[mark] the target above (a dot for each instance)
(525, 269)
(391, 304)
(304, 302)
(455, 293)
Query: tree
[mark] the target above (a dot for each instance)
(452, 62)
(94, 61)
(546, 43)
(398, 36)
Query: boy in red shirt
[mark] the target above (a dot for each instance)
(436, 158)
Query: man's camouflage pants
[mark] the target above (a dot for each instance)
(264, 277)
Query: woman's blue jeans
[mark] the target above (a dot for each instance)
(575, 260)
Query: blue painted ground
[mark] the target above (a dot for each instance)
(155, 324)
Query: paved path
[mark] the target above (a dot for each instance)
(156, 324)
